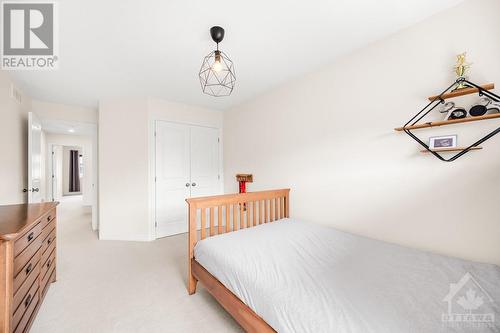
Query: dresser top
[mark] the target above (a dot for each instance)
(16, 219)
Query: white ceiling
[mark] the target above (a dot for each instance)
(116, 48)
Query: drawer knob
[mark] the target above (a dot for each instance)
(27, 301)
(49, 241)
(48, 218)
(48, 263)
(30, 236)
(29, 268)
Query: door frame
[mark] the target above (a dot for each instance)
(53, 170)
(152, 167)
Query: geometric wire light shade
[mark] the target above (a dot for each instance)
(216, 75)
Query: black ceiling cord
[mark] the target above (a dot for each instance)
(439, 100)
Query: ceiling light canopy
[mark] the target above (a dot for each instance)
(217, 70)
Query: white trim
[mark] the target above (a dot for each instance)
(50, 168)
(95, 178)
(152, 175)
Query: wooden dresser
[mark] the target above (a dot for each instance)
(27, 262)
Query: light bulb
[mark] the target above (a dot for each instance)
(217, 66)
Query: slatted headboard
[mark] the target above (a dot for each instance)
(231, 212)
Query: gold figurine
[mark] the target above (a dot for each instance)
(461, 69)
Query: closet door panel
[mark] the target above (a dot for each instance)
(172, 177)
(204, 161)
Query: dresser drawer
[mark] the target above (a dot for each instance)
(21, 326)
(48, 228)
(50, 216)
(48, 277)
(24, 257)
(49, 263)
(26, 239)
(49, 238)
(48, 251)
(25, 304)
(23, 289)
(26, 271)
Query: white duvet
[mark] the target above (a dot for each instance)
(302, 277)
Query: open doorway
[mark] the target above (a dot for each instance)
(68, 171)
(65, 160)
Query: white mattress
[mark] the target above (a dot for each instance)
(302, 277)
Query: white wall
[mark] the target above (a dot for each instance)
(47, 110)
(329, 137)
(126, 167)
(58, 160)
(13, 144)
(123, 170)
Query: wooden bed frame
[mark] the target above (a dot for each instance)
(239, 211)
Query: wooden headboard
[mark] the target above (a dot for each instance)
(231, 212)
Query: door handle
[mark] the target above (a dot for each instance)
(187, 184)
(193, 184)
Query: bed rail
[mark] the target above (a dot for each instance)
(231, 212)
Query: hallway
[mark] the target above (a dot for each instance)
(117, 286)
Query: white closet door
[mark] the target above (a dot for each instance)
(172, 177)
(204, 161)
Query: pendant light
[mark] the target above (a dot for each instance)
(217, 71)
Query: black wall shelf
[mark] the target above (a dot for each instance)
(451, 92)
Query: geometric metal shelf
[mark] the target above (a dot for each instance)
(450, 122)
(436, 100)
(463, 91)
(449, 150)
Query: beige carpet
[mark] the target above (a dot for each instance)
(113, 286)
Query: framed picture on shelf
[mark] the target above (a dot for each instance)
(446, 141)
